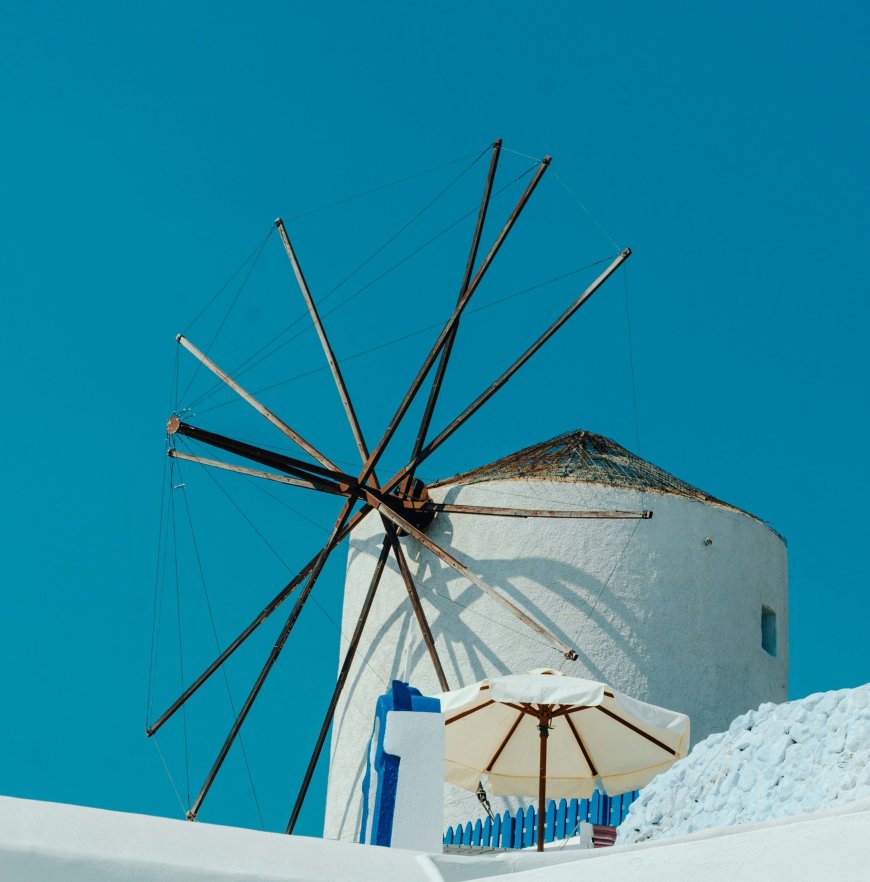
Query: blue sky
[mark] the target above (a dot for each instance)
(145, 153)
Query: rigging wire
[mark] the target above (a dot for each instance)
(162, 539)
(230, 308)
(296, 511)
(246, 365)
(253, 361)
(217, 641)
(386, 186)
(162, 535)
(226, 284)
(405, 226)
(159, 583)
(178, 611)
(184, 810)
(631, 360)
(410, 334)
(523, 155)
(277, 555)
(589, 214)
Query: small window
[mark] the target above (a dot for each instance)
(768, 630)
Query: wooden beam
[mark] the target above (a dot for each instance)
(270, 661)
(310, 449)
(324, 342)
(495, 511)
(344, 483)
(375, 455)
(256, 473)
(463, 570)
(494, 387)
(466, 279)
(414, 597)
(343, 528)
(349, 656)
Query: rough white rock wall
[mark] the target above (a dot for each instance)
(774, 762)
(651, 609)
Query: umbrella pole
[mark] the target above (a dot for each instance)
(544, 730)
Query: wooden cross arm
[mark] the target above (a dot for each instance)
(496, 511)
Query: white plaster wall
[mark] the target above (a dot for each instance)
(650, 608)
(418, 740)
(47, 842)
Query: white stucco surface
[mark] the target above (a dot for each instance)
(651, 607)
(62, 843)
(418, 740)
(49, 842)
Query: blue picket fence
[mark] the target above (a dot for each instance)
(521, 830)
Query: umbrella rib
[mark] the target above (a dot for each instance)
(571, 709)
(637, 730)
(471, 710)
(507, 738)
(582, 746)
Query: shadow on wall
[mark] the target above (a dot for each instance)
(462, 612)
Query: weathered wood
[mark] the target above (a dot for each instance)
(321, 486)
(494, 387)
(324, 342)
(264, 411)
(349, 656)
(463, 570)
(416, 606)
(279, 598)
(543, 730)
(345, 483)
(375, 455)
(270, 661)
(466, 279)
(636, 730)
(495, 511)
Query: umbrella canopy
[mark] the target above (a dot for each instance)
(497, 728)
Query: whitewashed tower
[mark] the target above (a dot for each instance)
(687, 609)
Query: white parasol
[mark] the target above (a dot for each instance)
(546, 733)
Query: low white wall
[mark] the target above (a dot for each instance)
(62, 843)
(650, 608)
(48, 842)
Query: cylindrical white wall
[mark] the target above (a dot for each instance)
(651, 608)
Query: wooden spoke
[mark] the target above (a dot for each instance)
(485, 396)
(336, 480)
(465, 713)
(270, 661)
(310, 449)
(527, 512)
(344, 527)
(322, 486)
(448, 343)
(507, 738)
(324, 342)
(375, 455)
(636, 730)
(461, 568)
(420, 615)
(582, 746)
(342, 679)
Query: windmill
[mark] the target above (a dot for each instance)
(401, 502)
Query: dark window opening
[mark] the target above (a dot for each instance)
(768, 630)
